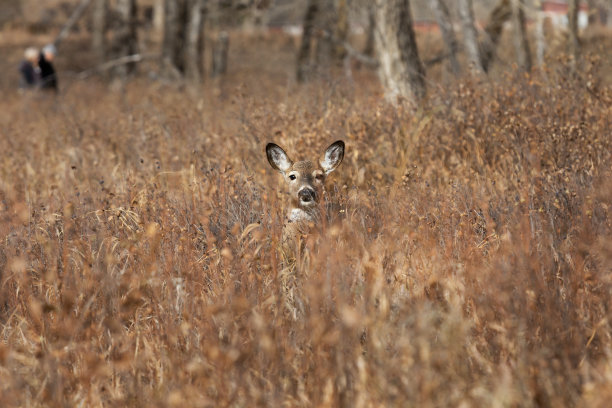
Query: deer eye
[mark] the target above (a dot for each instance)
(292, 177)
(319, 176)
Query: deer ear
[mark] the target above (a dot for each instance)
(278, 158)
(332, 157)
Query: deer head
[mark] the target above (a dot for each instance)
(305, 179)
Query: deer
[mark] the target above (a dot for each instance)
(305, 181)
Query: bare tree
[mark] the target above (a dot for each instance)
(498, 17)
(325, 29)
(98, 35)
(369, 46)
(74, 17)
(597, 11)
(470, 36)
(183, 42)
(325, 22)
(540, 38)
(572, 17)
(171, 40)
(125, 40)
(448, 34)
(521, 45)
(158, 15)
(341, 29)
(220, 50)
(193, 56)
(303, 58)
(400, 68)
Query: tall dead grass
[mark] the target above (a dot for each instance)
(471, 266)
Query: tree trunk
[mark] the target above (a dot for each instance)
(572, 17)
(521, 45)
(169, 68)
(220, 50)
(193, 41)
(125, 40)
(182, 20)
(400, 68)
(303, 59)
(158, 16)
(500, 14)
(324, 29)
(448, 34)
(341, 30)
(540, 39)
(369, 46)
(596, 12)
(183, 43)
(470, 36)
(98, 34)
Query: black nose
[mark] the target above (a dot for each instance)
(307, 195)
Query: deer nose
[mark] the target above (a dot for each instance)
(307, 195)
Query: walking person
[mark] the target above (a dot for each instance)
(48, 77)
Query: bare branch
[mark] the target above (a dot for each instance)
(74, 17)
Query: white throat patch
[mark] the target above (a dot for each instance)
(297, 214)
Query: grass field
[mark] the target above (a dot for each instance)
(471, 266)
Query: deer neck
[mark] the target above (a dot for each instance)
(298, 214)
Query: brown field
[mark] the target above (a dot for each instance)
(472, 265)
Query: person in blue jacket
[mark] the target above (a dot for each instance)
(29, 69)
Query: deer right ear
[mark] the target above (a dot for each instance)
(332, 157)
(278, 158)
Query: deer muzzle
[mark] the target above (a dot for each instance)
(307, 196)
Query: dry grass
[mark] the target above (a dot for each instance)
(471, 268)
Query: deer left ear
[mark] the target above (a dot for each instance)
(278, 158)
(332, 157)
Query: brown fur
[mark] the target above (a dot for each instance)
(305, 181)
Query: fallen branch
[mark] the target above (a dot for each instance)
(352, 52)
(441, 57)
(364, 59)
(128, 59)
(436, 60)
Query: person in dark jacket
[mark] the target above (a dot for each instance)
(29, 69)
(48, 77)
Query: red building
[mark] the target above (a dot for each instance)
(557, 10)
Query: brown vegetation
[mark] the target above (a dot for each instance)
(139, 234)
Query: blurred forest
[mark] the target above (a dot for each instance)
(192, 40)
